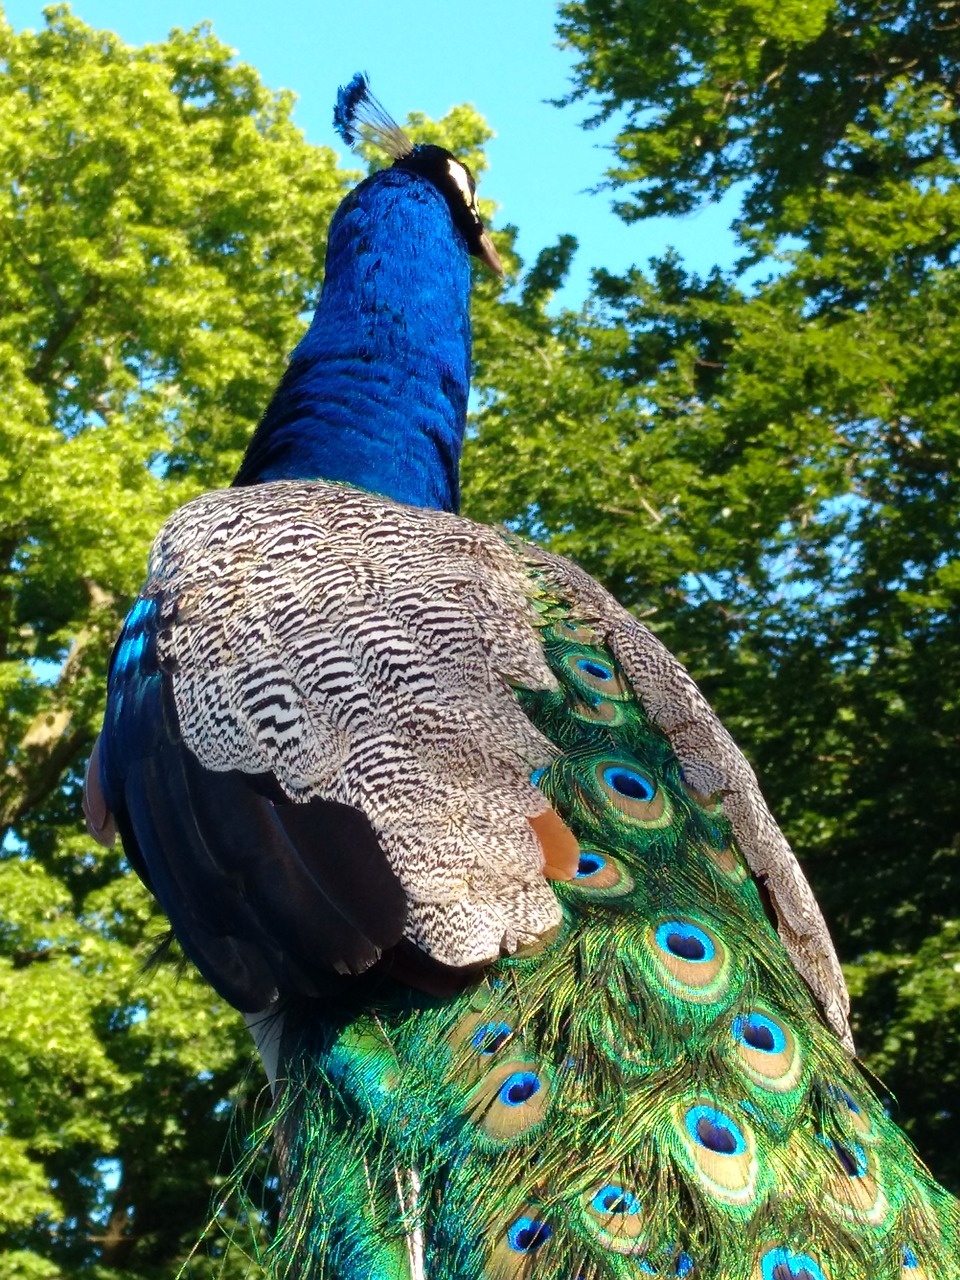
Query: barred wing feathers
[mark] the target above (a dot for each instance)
(330, 646)
(334, 648)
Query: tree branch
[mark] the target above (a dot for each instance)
(68, 322)
(52, 742)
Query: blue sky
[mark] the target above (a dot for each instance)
(427, 55)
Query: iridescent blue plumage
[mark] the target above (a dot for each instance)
(134, 695)
(375, 396)
(376, 393)
(328, 720)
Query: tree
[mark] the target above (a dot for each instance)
(163, 227)
(767, 471)
(786, 99)
(162, 234)
(770, 469)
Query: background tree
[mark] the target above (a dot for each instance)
(762, 462)
(162, 236)
(162, 226)
(767, 460)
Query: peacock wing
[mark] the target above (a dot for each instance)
(312, 745)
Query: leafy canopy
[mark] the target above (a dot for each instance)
(777, 480)
(762, 462)
(162, 228)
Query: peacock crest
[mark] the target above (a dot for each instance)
(541, 989)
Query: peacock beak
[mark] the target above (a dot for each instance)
(488, 254)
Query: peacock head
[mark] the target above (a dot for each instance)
(358, 116)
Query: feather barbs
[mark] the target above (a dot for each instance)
(602, 876)
(619, 782)
(781, 1263)
(912, 1270)
(719, 1149)
(515, 1253)
(360, 117)
(690, 959)
(603, 712)
(594, 675)
(642, 1097)
(512, 1101)
(852, 1112)
(728, 862)
(615, 1215)
(767, 1050)
(854, 1190)
(561, 852)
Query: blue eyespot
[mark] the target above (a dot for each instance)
(854, 1162)
(714, 1130)
(759, 1032)
(491, 1036)
(527, 1234)
(594, 669)
(682, 1267)
(614, 1199)
(781, 1264)
(910, 1259)
(841, 1095)
(537, 776)
(685, 941)
(519, 1088)
(628, 782)
(590, 864)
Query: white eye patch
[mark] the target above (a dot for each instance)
(461, 180)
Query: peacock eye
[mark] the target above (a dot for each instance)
(462, 179)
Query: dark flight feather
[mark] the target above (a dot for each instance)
(540, 985)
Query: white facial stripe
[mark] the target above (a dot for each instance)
(458, 175)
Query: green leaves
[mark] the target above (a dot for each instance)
(769, 95)
(763, 464)
(162, 229)
(814, 422)
(162, 232)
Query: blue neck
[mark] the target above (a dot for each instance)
(376, 393)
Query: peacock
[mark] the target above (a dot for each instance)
(540, 988)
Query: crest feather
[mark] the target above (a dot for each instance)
(359, 117)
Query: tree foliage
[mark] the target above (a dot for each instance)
(162, 235)
(162, 227)
(766, 460)
(763, 465)
(786, 97)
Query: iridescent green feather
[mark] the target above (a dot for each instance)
(653, 1094)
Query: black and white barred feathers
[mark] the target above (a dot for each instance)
(539, 985)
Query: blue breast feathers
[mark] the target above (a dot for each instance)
(133, 699)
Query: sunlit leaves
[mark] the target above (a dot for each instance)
(162, 231)
(817, 401)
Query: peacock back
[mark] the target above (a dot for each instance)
(646, 1086)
